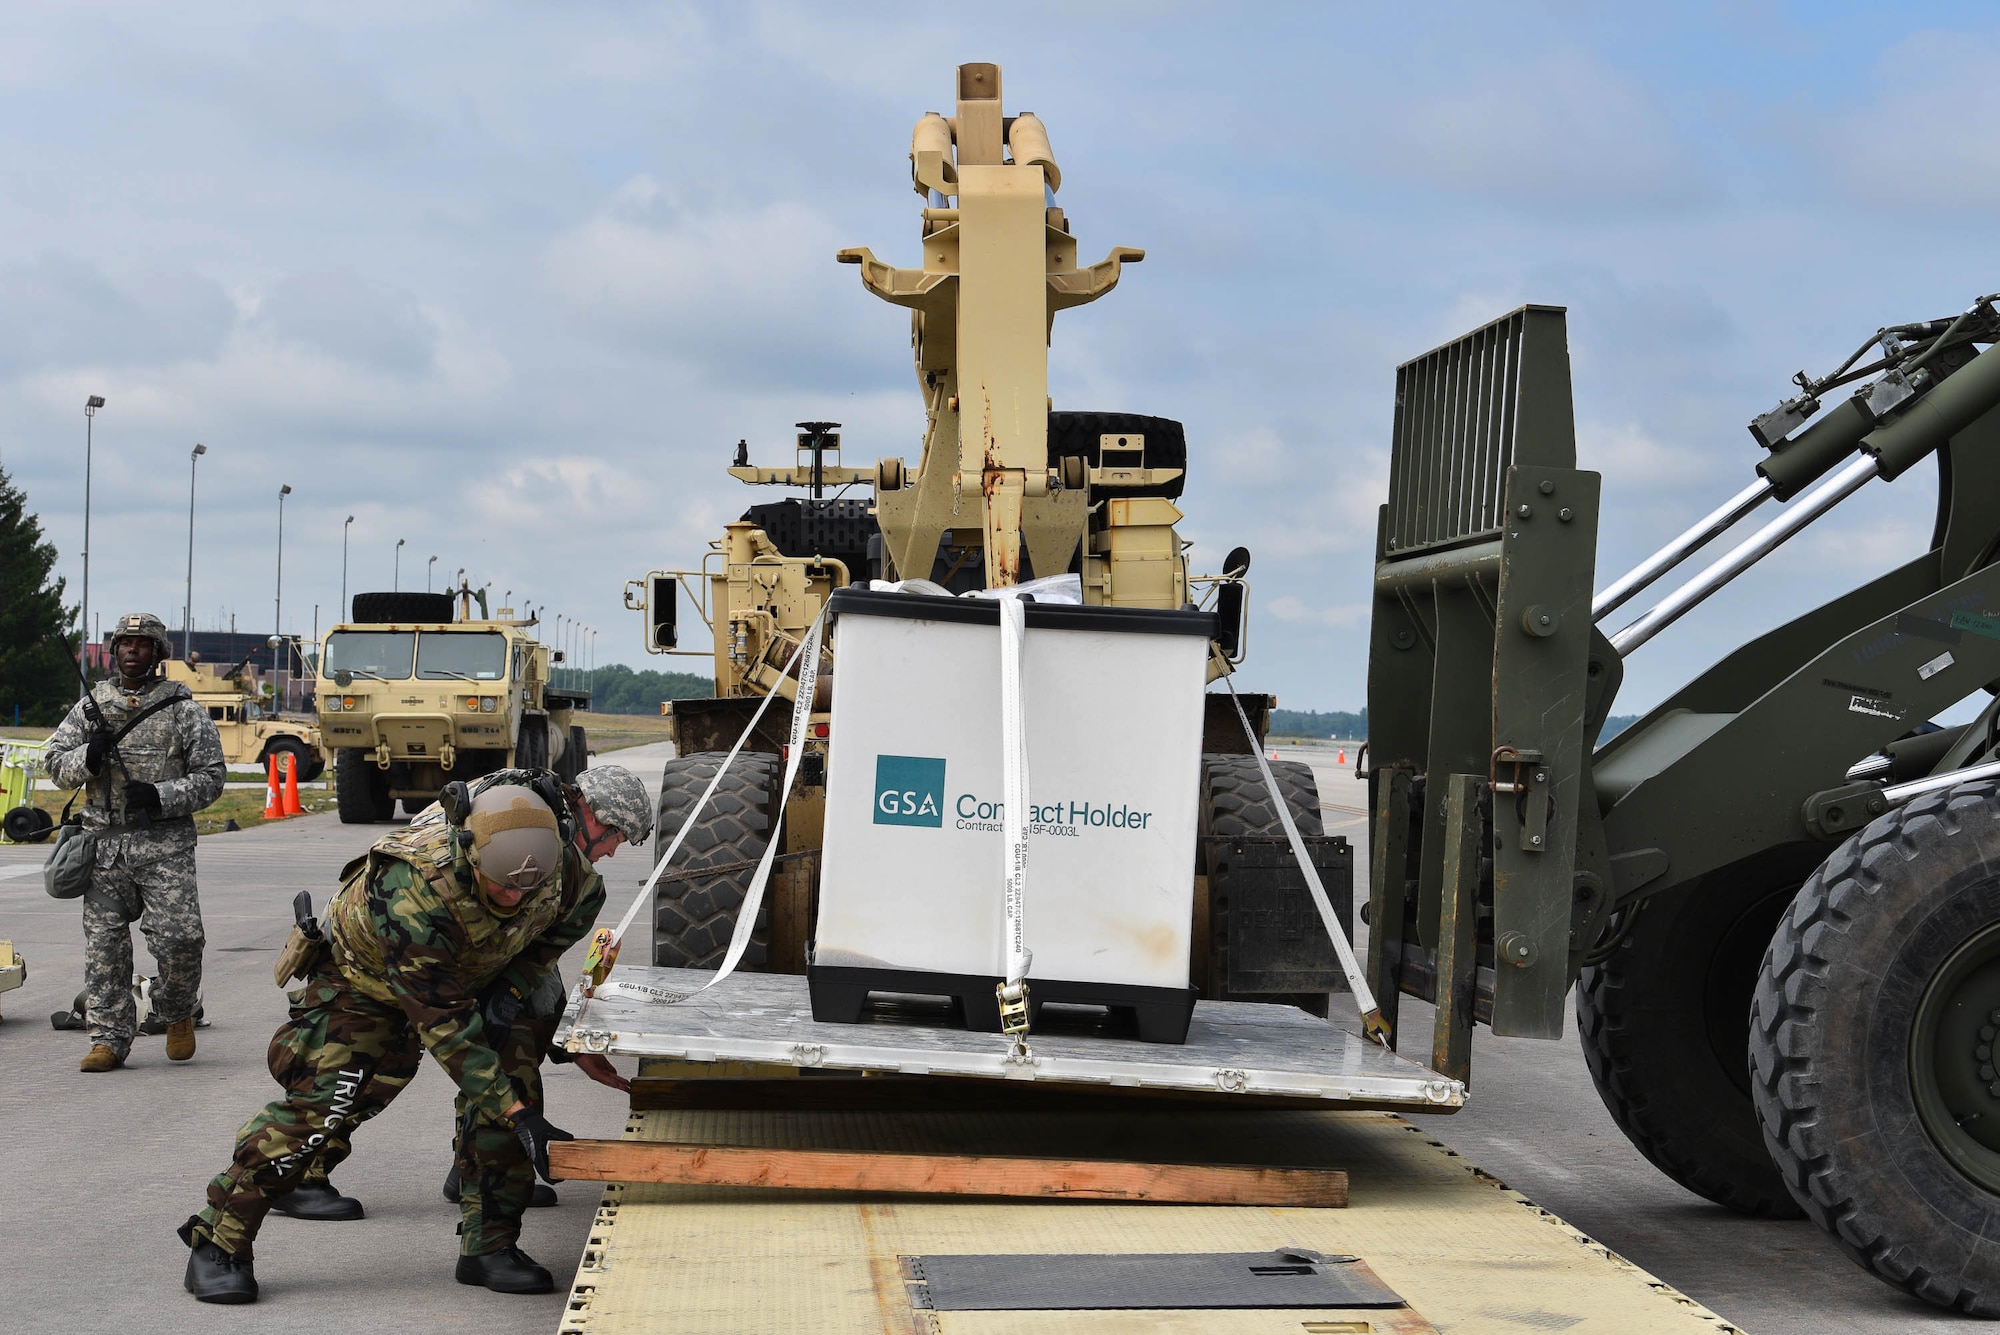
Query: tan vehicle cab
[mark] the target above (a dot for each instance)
(417, 691)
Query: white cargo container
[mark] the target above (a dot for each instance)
(911, 871)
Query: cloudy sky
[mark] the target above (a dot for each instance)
(509, 281)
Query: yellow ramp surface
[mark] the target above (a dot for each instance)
(1467, 1253)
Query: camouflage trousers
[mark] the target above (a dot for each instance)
(158, 893)
(521, 1056)
(342, 1058)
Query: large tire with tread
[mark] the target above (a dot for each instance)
(531, 747)
(693, 919)
(1872, 1048)
(576, 755)
(305, 760)
(360, 789)
(1235, 803)
(1663, 1022)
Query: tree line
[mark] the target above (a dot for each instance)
(37, 649)
(621, 690)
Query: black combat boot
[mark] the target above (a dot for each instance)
(509, 1270)
(543, 1197)
(214, 1276)
(317, 1200)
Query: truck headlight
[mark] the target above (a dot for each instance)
(488, 704)
(332, 703)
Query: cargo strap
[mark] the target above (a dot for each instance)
(1013, 993)
(806, 659)
(1372, 1024)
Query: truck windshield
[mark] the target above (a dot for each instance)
(462, 655)
(384, 654)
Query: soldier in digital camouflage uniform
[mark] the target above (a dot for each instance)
(141, 794)
(607, 808)
(423, 926)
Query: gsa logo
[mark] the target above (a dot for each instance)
(909, 790)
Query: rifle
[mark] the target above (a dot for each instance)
(97, 715)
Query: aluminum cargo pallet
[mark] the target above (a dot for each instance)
(1233, 1047)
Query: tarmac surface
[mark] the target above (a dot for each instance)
(97, 1171)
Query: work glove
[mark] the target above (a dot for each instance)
(534, 1131)
(96, 750)
(142, 797)
(499, 1010)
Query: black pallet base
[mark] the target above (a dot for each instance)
(840, 996)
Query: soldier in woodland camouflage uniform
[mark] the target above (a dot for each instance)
(142, 791)
(607, 808)
(422, 928)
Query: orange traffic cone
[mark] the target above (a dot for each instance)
(292, 807)
(1341, 759)
(274, 807)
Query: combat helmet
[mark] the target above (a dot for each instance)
(618, 799)
(514, 844)
(146, 626)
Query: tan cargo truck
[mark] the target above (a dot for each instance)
(417, 691)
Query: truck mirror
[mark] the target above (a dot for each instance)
(1237, 564)
(343, 679)
(1232, 606)
(663, 611)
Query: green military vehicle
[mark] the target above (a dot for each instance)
(1776, 896)
(416, 691)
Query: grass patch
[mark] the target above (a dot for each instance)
(615, 732)
(245, 806)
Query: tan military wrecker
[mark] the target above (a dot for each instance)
(895, 1127)
(417, 691)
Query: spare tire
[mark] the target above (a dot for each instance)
(379, 608)
(1078, 435)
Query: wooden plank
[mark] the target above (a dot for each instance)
(947, 1174)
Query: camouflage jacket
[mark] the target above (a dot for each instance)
(176, 750)
(583, 888)
(409, 929)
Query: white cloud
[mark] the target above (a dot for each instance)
(1924, 140)
(1290, 608)
(1563, 131)
(744, 290)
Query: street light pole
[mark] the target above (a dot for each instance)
(187, 608)
(344, 528)
(428, 567)
(278, 604)
(396, 585)
(90, 407)
(557, 673)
